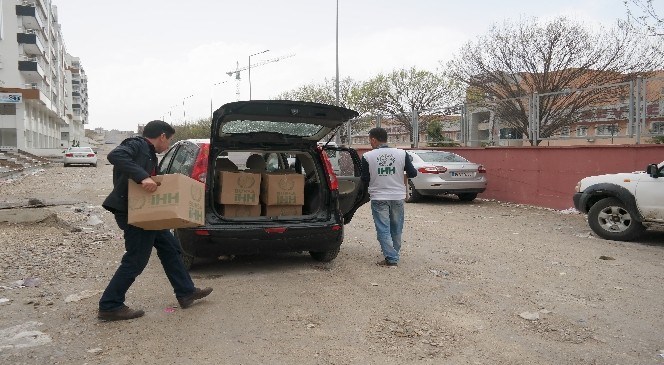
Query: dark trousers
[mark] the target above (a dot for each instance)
(138, 244)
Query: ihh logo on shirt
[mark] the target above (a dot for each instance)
(386, 165)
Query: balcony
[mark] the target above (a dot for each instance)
(31, 70)
(32, 19)
(35, 91)
(31, 43)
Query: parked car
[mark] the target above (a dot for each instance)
(621, 206)
(441, 172)
(274, 130)
(80, 156)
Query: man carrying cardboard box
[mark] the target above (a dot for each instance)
(135, 159)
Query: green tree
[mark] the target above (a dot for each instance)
(188, 130)
(513, 61)
(435, 131)
(325, 92)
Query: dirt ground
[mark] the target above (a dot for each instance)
(479, 283)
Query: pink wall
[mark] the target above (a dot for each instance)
(546, 176)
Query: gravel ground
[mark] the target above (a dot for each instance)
(479, 283)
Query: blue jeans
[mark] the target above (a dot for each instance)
(388, 218)
(138, 244)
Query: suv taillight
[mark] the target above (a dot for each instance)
(69, 155)
(199, 172)
(329, 171)
(481, 169)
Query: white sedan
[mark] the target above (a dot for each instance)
(441, 172)
(80, 156)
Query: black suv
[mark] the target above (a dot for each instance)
(286, 135)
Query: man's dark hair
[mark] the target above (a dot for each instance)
(155, 128)
(379, 134)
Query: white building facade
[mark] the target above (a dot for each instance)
(43, 89)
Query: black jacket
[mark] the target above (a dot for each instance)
(134, 159)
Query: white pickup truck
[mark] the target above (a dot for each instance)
(621, 206)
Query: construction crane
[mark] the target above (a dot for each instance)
(261, 63)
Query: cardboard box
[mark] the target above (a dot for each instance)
(282, 188)
(241, 210)
(281, 210)
(238, 188)
(178, 202)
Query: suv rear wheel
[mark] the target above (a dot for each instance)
(611, 219)
(325, 256)
(186, 250)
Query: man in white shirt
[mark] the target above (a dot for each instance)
(383, 170)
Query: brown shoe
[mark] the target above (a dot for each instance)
(387, 263)
(187, 301)
(121, 314)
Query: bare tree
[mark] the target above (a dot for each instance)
(403, 91)
(643, 13)
(504, 67)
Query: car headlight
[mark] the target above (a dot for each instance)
(578, 187)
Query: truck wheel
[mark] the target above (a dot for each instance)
(412, 195)
(325, 256)
(611, 220)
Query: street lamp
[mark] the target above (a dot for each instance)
(337, 54)
(336, 81)
(249, 70)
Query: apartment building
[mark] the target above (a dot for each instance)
(43, 89)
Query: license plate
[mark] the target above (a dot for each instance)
(79, 155)
(461, 174)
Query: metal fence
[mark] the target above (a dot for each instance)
(634, 114)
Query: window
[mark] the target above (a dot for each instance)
(607, 130)
(657, 128)
(509, 133)
(564, 132)
(440, 157)
(7, 109)
(166, 160)
(581, 131)
(272, 162)
(184, 159)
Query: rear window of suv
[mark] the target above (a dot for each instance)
(253, 126)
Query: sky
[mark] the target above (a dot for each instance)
(165, 59)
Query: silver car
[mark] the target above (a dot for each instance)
(80, 156)
(441, 172)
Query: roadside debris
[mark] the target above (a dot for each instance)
(82, 295)
(531, 316)
(22, 336)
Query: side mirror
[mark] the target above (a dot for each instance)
(652, 170)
